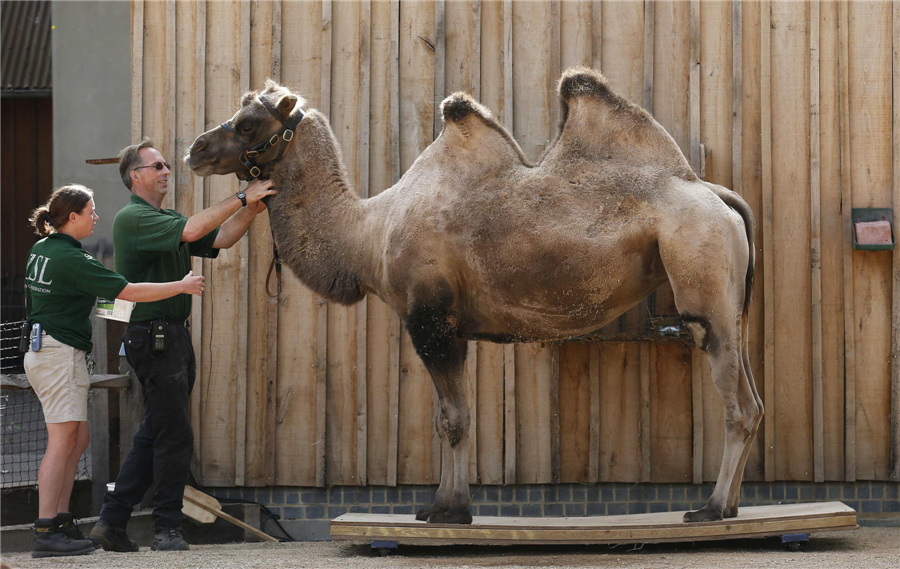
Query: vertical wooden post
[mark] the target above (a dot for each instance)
(240, 431)
(197, 264)
(98, 423)
(646, 366)
(649, 26)
(737, 96)
(272, 302)
(553, 75)
(846, 204)
(815, 246)
(395, 328)
(509, 350)
(440, 63)
(137, 69)
(554, 413)
(895, 313)
(363, 189)
(169, 127)
(768, 245)
(597, 35)
(698, 358)
(694, 86)
(594, 371)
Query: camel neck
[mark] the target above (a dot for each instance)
(319, 222)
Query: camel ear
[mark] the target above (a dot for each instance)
(286, 104)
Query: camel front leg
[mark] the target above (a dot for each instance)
(445, 491)
(434, 338)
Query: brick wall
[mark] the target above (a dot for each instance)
(869, 499)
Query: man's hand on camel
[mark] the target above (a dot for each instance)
(257, 190)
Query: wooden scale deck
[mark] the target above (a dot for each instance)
(792, 522)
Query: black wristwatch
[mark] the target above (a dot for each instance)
(243, 197)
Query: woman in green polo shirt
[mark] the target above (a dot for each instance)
(62, 284)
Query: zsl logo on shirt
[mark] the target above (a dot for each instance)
(39, 264)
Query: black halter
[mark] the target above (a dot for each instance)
(248, 159)
(250, 154)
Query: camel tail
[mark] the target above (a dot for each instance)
(737, 203)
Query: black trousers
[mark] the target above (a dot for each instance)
(160, 454)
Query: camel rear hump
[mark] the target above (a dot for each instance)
(604, 125)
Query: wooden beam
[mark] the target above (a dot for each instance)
(362, 397)
(768, 245)
(197, 263)
(240, 431)
(554, 75)
(322, 305)
(554, 413)
(440, 65)
(737, 96)
(597, 35)
(395, 328)
(98, 423)
(646, 366)
(509, 413)
(509, 350)
(137, 69)
(815, 246)
(594, 372)
(698, 358)
(846, 204)
(170, 100)
(102, 381)
(272, 302)
(476, 49)
(649, 25)
(895, 312)
(694, 86)
(471, 378)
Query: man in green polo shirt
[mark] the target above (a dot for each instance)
(153, 245)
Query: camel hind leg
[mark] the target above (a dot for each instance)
(434, 337)
(710, 297)
(734, 498)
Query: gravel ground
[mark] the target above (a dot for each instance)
(866, 548)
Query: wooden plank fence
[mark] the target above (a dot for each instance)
(793, 105)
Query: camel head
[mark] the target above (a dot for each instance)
(255, 137)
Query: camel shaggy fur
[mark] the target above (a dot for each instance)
(475, 242)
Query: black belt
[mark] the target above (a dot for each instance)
(146, 323)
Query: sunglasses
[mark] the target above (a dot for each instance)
(157, 165)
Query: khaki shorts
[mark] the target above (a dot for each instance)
(58, 373)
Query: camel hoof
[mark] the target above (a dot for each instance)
(423, 515)
(731, 512)
(704, 514)
(451, 517)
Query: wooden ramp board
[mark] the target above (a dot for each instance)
(756, 521)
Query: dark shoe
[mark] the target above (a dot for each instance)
(169, 539)
(113, 539)
(69, 526)
(50, 541)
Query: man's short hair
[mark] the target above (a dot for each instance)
(130, 158)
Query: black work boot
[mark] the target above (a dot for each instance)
(169, 539)
(50, 541)
(69, 526)
(113, 539)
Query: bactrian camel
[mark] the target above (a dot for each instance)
(475, 242)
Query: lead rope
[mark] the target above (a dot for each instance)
(276, 260)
